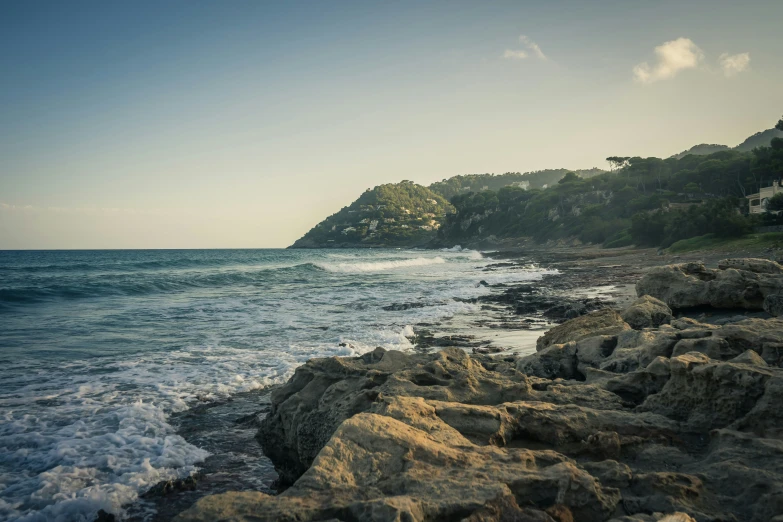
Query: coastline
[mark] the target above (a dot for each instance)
(602, 278)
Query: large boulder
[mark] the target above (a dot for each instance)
(690, 285)
(323, 393)
(600, 322)
(379, 468)
(647, 312)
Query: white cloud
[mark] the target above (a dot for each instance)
(734, 63)
(522, 54)
(514, 55)
(533, 46)
(672, 57)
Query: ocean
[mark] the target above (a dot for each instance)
(100, 350)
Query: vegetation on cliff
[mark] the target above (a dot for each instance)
(457, 185)
(401, 214)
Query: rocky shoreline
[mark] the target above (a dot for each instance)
(638, 414)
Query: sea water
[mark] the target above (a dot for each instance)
(98, 349)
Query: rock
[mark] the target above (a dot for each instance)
(705, 394)
(665, 492)
(167, 487)
(647, 312)
(636, 386)
(656, 517)
(555, 361)
(324, 392)
(749, 357)
(677, 422)
(378, 468)
(712, 347)
(103, 516)
(755, 265)
(772, 353)
(773, 304)
(610, 472)
(690, 285)
(600, 322)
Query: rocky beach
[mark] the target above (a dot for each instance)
(658, 406)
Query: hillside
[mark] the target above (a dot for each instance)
(455, 185)
(760, 139)
(401, 214)
(649, 201)
(703, 149)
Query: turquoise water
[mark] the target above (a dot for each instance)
(99, 348)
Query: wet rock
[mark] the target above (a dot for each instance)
(396, 307)
(488, 350)
(103, 516)
(647, 312)
(167, 487)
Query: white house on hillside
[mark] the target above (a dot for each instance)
(757, 203)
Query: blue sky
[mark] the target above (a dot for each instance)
(242, 124)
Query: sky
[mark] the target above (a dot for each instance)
(239, 124)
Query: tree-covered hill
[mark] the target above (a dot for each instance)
(644, 201)
(392, 215)
(760, 139)
(456, 185)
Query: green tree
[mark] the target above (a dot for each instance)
(775, 203)
(779, 125)
(569, 178)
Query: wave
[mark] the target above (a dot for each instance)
(111, 285)
(379, 266)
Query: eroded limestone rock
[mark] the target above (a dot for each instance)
(647, 312)
(692, 284)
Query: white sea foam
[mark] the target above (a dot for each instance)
(380, 266)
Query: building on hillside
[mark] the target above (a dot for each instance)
(430, 200)
(757, 203)
(373, 224)
(524, 185)
(349, 229)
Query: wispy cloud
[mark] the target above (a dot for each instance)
(671, 58)
(531, 47)
(733, 64)
(511, 54)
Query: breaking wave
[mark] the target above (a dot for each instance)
(380, 266)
